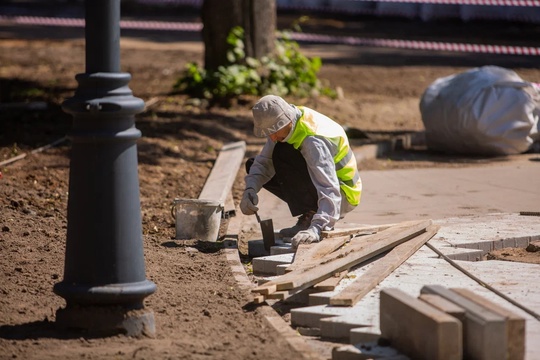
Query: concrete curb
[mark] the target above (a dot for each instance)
(273, 319)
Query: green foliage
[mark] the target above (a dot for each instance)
(286, 72)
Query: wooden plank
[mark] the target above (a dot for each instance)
(515, 335)
(331, 283)
(279, 295)
(258, 299)
(308, 255)
(407, 229)
(403, 231)
(300, 253)
(346, 258)
(221, 178)
(484, 330)
(297, 297)
(360, 230)
(418, 329)
(265, 288)
(381, 269)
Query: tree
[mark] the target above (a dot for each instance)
(219, 17)
(244, 55)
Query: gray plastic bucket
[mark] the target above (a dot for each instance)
(197, 219)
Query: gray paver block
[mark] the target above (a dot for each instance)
(363, 335)
(489, 231)
(267, 264)
(256, 249)
(461, 253)
(280, 269)
(311, 315)
(281, 249)
(339, 327)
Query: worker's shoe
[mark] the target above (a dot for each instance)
(303, 223)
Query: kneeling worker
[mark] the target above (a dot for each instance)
(306, 162)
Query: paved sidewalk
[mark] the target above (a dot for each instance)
(475, 205)
(391, 196)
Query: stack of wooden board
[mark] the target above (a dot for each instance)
(330, 259)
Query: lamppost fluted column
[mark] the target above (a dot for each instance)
(104, 281)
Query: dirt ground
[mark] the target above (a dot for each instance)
(199, 311)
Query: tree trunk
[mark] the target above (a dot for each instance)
(256, 17)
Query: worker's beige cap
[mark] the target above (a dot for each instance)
(270, 114)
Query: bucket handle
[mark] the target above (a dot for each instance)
(173, 210)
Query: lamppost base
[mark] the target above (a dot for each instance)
(99, 321)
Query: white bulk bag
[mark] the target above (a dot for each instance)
(488, 110)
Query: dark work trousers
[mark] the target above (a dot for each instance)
(292, 182)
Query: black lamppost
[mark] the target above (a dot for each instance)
(104, 281)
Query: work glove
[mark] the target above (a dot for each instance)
(311, 235)
(249, 202)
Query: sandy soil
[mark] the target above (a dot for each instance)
(200, 313)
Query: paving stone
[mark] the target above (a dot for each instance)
(256, 249)
(281, 249)
(309, 316)
(266, 265)
(339, 327)
(418, 329)
(515, 335)
(363, 335)
(365, 352)
(485, 331)
(444, 305)
(464, 254)
(280, 269)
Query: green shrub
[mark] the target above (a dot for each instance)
(286, 72)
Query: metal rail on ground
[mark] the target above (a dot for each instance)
(483, 283)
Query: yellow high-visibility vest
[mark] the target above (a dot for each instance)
(313, 123)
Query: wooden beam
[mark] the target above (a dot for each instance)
(381, 269)
(346, 258)
(406, 229)
(258, 299)
(331, 283)
(354, 231)
(308, 255)
(221, 178)
(265, 289)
